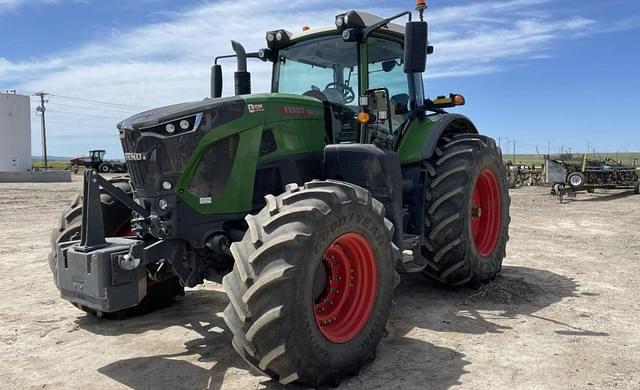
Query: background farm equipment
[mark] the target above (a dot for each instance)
(95, 160)
(567, 177)
(524, 175)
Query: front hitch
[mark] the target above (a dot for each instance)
(107, 274)
(92, 231)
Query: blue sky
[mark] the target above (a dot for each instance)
(563, 72)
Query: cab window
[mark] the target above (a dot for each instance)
(386, 70)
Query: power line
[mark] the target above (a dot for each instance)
(114, 110)
(66, 124)
(98, 102)
(89, 115)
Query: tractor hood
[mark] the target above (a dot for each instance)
(164, 114)
(159, 144)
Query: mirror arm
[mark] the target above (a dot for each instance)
(370, 30)
(249, 55)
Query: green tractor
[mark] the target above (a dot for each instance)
(306, 202)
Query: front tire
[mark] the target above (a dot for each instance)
(312, 284)
(466, 211)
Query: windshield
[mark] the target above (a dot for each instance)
(324, 67)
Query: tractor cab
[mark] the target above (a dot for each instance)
(97, 155)
(323, 65)
(367, 71)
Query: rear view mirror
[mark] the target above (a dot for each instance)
(216, 81)
(375, 116)
(415, 47)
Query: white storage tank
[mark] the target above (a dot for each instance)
(15, 133)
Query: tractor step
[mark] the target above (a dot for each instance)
(409, 263)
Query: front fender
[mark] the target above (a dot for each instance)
(421, 138)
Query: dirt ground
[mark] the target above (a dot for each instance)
(564, 313)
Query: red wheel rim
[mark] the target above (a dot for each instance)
(486, 213)
(350, 285)
(125, 230)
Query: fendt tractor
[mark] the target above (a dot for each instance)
(306, 202)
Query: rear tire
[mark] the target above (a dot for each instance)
(636, 189)
(466, 211)
(117, 222)
(284, 284)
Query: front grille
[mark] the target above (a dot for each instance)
(163, 158)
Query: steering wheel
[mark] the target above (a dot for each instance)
(344, 89)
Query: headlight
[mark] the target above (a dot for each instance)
(174, 128)
(279, 35)
(167, 186)
(163, 204)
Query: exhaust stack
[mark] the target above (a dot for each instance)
(242, 77)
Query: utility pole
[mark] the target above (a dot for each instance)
(514, 151)
(42, 109)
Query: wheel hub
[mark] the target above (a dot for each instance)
(486, 213)
(343, 304)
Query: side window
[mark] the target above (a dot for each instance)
(386, 71)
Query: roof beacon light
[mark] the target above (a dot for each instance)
(421, 5)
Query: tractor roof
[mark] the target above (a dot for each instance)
(367, 18)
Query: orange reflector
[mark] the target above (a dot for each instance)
(363, 117)
(421, 2)
(306, 28)
(458, 100)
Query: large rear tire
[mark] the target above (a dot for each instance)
(466, 211)
(312, 284)
(117, 222)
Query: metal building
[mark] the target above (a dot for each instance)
(15, 133)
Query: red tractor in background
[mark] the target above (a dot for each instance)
(95, 160)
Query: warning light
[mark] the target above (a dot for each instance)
(306, 28)
(363, 118)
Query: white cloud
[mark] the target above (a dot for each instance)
(12, 5)
(167, 62)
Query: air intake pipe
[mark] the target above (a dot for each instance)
(242, 77)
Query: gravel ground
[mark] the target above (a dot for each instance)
(564, 313)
